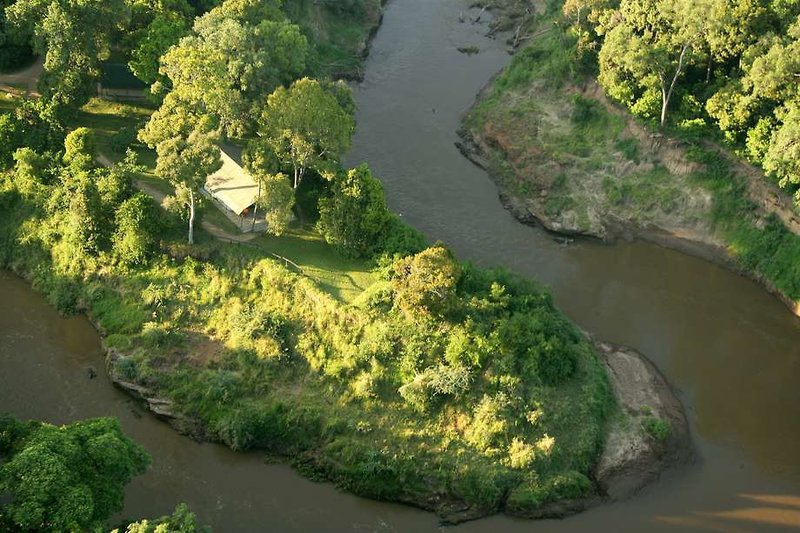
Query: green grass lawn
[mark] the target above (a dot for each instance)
(112, 123)
(343, 278)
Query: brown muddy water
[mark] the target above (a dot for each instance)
(731, 350)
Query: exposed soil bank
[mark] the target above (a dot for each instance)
(697, 240)
(633, 456)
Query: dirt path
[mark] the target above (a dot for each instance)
(27, 78)
(159, 196)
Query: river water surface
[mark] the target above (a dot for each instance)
(731, 350)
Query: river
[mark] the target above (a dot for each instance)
(731, 350)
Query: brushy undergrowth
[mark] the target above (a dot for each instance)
(339, 30)
(470, 388)
(762, 246)
(552, 136)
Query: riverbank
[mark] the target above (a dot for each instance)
(454, 405)
(341, 33)
(647, 434)
(566, 158)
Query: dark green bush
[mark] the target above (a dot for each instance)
(657, 428)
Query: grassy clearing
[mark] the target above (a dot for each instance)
(343, 278)
(115, 125)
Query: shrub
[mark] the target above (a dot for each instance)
(657, 428)
(556, 361)
(126, 368)
(426, 282)
(123, 139)
(488, 424)
(354, 216)
(118, 341)
(134, 240)
(399, 239)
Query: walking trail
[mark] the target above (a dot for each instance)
(159, 196)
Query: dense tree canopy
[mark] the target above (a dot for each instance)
(426, 282)
(735, 64)
(15, 43)
(75, 37)
(186, 141)
(307, 127)
(163, 32)
(648, 48)
(354, 216)
(237, 53)
(66, 478)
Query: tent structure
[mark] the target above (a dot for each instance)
(117, 82)
(232, 186)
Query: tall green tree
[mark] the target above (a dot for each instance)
(425, 283)
(75, 37)
(79, 149)
(186, 140)
(67, 478)
(308, 127)
(237, 52)
(277, 200)
(646, 52)
(354, 216)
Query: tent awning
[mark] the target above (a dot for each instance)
(232, 186)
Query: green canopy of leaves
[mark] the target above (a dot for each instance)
(354, 216)
(65, 478)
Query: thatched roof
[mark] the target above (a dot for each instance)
(232, 185)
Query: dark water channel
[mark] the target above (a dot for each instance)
(731, 350)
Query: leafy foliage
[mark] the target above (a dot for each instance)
(277, 201)
(75, 37)
(134, 240)
(426, 282)
(307, 126)
(355, 215)
(237, 52)
(182, 520)
(66, 478)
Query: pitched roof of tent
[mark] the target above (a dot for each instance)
(232, 185)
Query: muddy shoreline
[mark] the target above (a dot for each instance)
(631, 458)
(472, 148)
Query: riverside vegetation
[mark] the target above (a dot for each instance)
(460, 390)
(698, 93)
(71, 478)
